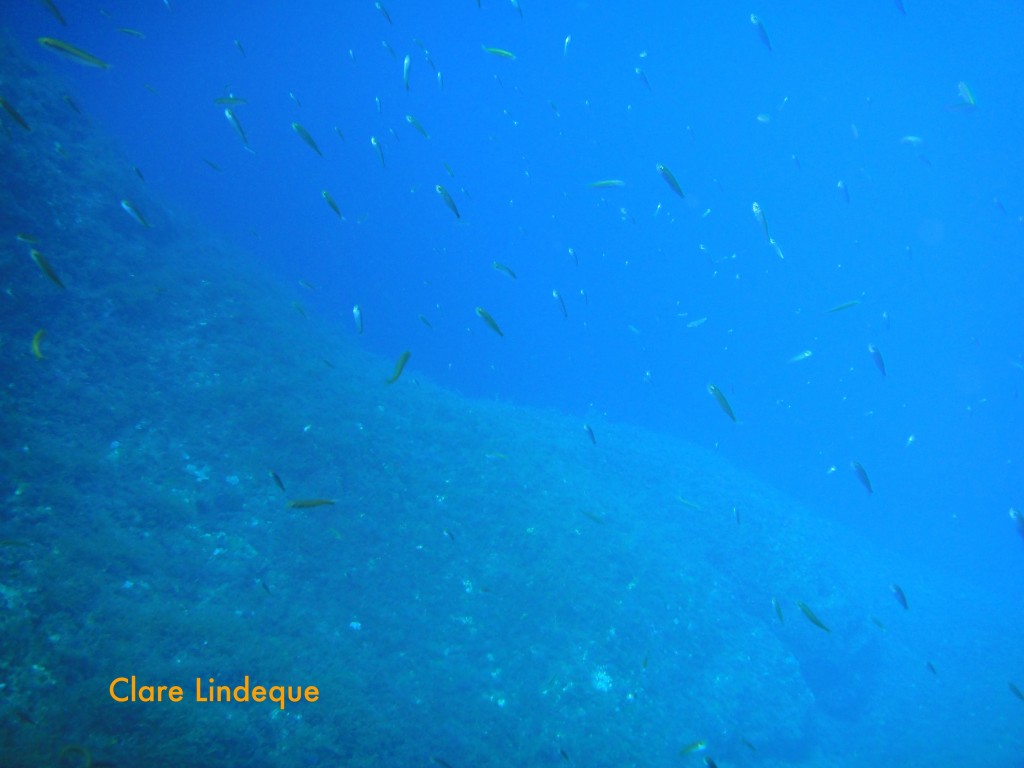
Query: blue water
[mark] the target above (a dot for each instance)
(552, 546)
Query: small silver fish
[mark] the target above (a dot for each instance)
(759, 215)
(877, 357)
(132, 211)
(380, 150)
(761, 31)
(561, 303)
(236, 125)
(357, 315)
(722, 402)
(1018, 519)
(447, 200)
(862, 475)
(590, 433)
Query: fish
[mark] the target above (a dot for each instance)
(843, 191)
(877, 357)
(722, 402)
(330, 201)
(1016, 691)
(878, 623)
(14, 113)
(761, 31)
(484, 315)
(811, 617)
(426, 322)
(44, 265)
(696, 746)
(501, 53)
(304, 135)
(75, 749)
(691, 504)
(416, 124)
(709, 762)
(400, 366)
(565, 46)
(778, 610)
(37, 339)
(375, 143)
(666, 174)
(132, 32)
(277, 479)
(447, 200)
(759, 215)
(132, 211)
(519, 8)
(405, 71)
(899, 5)
(236, 125)
(801, 356)
(901, 598)
(606, 183)
(71, 52)
(138, 173)
(561, 303)
(212, 164)
(230, 100)
(383, 12)
(966, 95)
(357, 317)
(310, 503)
(71, 103)
(1018, 519)
(844, 305)
(295, 98)
(502, 268)
(861, 475)
(590, 433)
(22, 237)
(238, 45)
(643, 77)
(27, 719)
(55, 12)
(931, 668)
